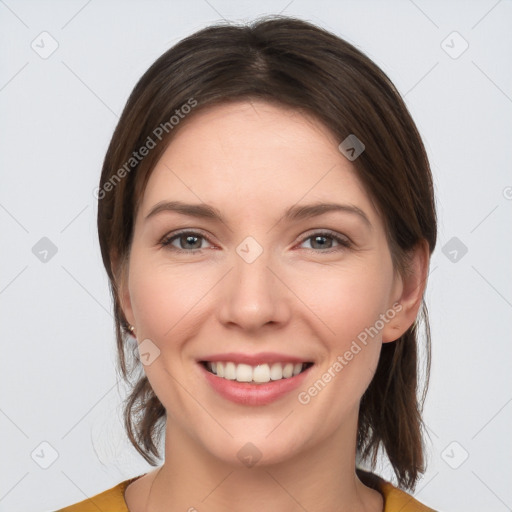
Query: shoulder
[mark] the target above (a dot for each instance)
(394, 498)
(111, 500)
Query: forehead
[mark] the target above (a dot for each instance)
(255, 154)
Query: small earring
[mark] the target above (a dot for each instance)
(131, 328)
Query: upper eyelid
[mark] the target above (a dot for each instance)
(186, 231)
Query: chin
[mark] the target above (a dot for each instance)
(260, 449)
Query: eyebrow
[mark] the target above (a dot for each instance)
(293, 213)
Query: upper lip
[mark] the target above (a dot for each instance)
(254, 359)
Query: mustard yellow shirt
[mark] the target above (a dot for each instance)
(112, 500)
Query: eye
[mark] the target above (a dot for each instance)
(326, 241)
(186, 241)
(192, 241)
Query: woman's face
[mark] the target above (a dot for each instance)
(233, 272)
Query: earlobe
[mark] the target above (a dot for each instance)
(409, 297)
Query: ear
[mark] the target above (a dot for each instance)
(408, 293)
(120, 271)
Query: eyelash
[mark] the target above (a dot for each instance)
(344, 243)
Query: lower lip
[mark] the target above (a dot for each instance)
(253, 394)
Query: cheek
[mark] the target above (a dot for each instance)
(347, 301)
(164, 298)
(166, 302)
(348, 304)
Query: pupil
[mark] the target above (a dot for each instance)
(322, 244)
(190, 240)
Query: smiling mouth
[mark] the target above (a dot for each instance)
(259, 374)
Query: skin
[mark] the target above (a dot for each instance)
(252, 161)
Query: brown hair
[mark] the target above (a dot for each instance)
(299, 65)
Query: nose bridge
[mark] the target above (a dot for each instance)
(253, 296)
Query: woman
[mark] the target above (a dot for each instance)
(266, 218)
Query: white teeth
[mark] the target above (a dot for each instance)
(230, 371)
(276, 371)
(243, 373)
(261, 373)
(287, 370)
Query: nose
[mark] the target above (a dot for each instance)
(253, 296)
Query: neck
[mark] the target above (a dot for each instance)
(320, 478)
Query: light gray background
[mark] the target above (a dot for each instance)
(58, 380)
